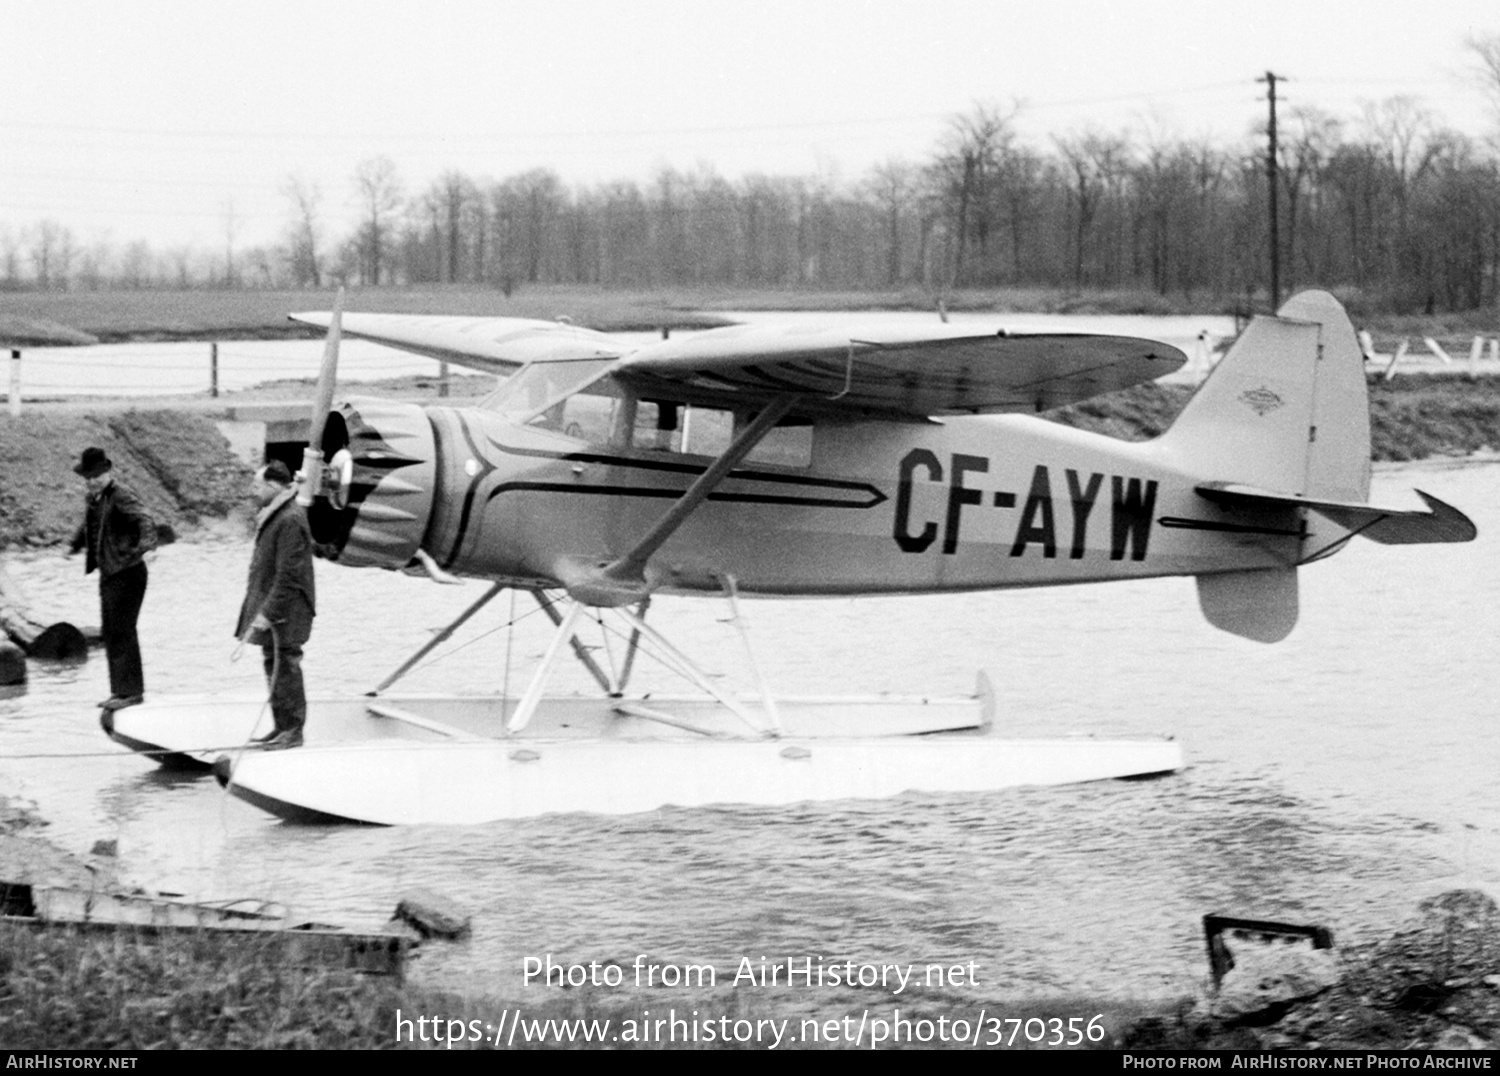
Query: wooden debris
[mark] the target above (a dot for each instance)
(59, 641)
(41, 906)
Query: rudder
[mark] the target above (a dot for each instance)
(1286, 409)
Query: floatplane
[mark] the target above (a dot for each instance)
(774, 462)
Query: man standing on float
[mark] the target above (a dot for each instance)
(280, 601)
(117, 533)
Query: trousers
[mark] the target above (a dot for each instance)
(283, 665)
(120, 597)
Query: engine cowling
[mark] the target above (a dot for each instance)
(384, 461)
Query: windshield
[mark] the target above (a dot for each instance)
(538, 386)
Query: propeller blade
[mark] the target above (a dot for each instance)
(327, 376)
(311, 478)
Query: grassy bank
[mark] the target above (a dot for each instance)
(1427, 985)
(76, 317)
(1411, 418)
(62, 989)
(38, 318)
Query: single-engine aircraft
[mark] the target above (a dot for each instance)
(785, 462)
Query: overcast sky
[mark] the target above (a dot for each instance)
(127, 119)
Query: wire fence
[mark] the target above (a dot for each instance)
(162, 369)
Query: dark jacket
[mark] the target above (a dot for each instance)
(117, 531)
(281, 575)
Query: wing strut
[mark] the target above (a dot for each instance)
(623, 580)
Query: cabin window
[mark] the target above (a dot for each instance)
(790, 444)
(658, 426)
(587, 416)
(663, 426)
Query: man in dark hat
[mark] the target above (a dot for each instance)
(117, 533)
(280, 600)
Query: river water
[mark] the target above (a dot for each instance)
(1334, 778)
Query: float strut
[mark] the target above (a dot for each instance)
(687, 668)
(632, 648)
(437, 640)
(533, 695)
(580, 651)
(731, 591)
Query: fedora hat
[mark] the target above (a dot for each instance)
(93, 464)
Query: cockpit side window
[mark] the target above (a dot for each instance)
(666, 426)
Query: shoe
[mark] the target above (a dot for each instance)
(283, 740)
(267, 738)
(119, 702)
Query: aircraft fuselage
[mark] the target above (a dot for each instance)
(882, 507)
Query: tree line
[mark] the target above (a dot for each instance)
(1391, 205)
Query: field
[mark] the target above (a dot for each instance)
(40, 318)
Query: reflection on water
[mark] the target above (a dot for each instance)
(1334, 778)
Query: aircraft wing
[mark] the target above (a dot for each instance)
(494, 345)
(1388, 526)
(913, 371)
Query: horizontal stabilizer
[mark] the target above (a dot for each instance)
(1388, 526)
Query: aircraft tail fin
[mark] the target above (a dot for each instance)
(1281, 428)
(1286, 409)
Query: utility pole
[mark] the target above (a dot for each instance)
(1273, 183)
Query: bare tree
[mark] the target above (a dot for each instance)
(10, 260)
(1311, 137)
(967, 171)
(1097, 163)
(894, 185)
(135, 265)
(231, 230)
(94, 262)
(1486, 52)
(304, 232)
(379, 192)
(52, 251)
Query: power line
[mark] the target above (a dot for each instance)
(389, 137)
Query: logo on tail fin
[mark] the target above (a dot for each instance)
(1262, 400)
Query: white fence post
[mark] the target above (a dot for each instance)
(15, 382)
(1390, 371)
